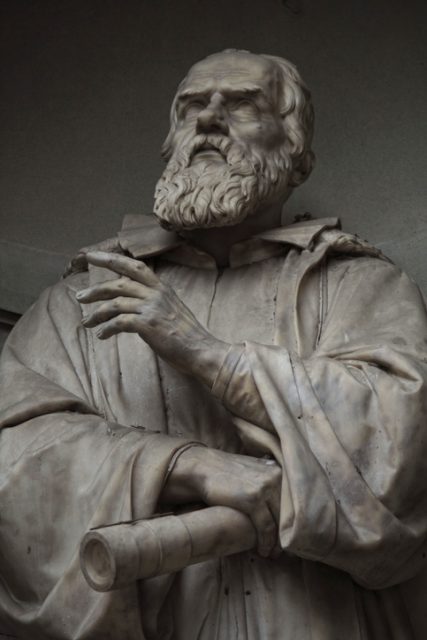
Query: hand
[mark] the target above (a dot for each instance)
(139, 302)
(251, 485)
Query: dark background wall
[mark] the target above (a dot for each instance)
(86, 88)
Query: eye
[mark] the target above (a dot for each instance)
(193, 108)
(244, 108)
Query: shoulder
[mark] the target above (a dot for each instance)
(348, 255)
(357, 265)
(344, 244)
(344, 265)
(376, 288)
(56, 314)
(59, 300)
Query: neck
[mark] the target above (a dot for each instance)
(217, 241)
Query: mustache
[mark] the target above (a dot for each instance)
(209, 142)
(233, 154)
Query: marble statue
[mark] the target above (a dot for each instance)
(219, 358)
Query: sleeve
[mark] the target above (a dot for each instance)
(351, 421)
(64, 469)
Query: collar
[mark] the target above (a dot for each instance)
(142, 237)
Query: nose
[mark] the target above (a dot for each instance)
(211, 119)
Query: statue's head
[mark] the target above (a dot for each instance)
(240, 140)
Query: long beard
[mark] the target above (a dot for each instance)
(216, 194)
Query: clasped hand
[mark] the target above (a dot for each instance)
(251, 485)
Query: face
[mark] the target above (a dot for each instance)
(227, 150)
(234, 95)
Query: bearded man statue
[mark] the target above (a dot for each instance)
(278, 370)
(212, 194)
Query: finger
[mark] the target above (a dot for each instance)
(266, 527)
(124, 323)
(112, 289)
(76, 264)
(111, 309)
(134, 269)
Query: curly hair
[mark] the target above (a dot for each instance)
(296, 110)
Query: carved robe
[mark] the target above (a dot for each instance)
(328, 367)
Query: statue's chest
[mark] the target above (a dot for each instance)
(234, 305)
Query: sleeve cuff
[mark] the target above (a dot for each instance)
(226, 371)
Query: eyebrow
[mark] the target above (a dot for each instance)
(188, 94)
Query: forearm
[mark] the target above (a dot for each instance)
(353, 455)
(225, 370)
(202, 356)
(182, 480)
(234, 385)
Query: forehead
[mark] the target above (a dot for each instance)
(232, 71)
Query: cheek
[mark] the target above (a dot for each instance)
(182, 136)
(267, 135)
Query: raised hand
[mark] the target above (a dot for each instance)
(139, 302)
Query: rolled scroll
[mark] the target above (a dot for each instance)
(114, 556)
